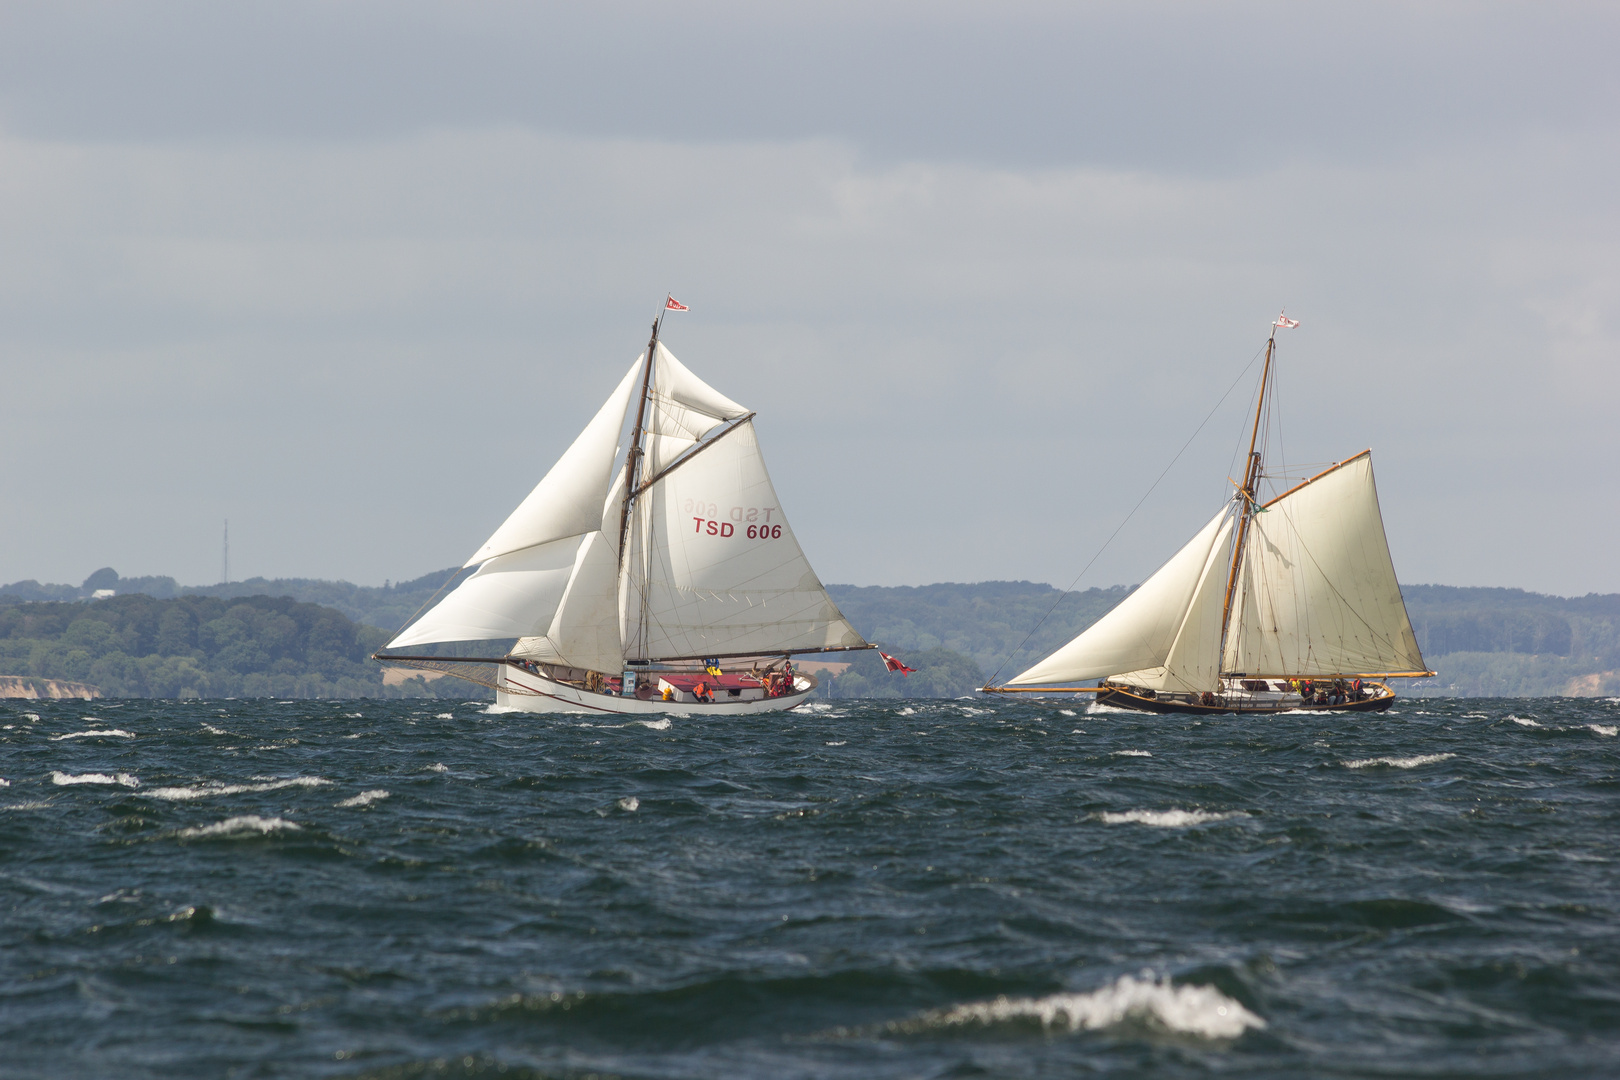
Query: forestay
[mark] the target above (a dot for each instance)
(1317, 594)
(1169, 613)
(716, 569)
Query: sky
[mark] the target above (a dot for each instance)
(353, 275)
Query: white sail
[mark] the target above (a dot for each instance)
(716, 570)
(510, 596)
(1193, 662)
(1141, 631)
(566, 502)
(584, 632)
(1317, 591)
(681, 410)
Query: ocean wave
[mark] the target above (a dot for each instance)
(629, 804)
(1133, 753)
(1397, 762)
(1099, 707)
(365, 798)
(122, 779)
(1522, 720)
(115, 733)
(211, 789)
(1184, 1010)
(246, 825)
(1610, 730)
(1066, 712)
(444, 716)
(656, 725)
(1167, 819)
(499, 710)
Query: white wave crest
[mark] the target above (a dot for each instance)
(840, 742)
(246, 825)
(1190, 1010)
(31, 717)
(365, 798)
(122, 779)
(908, 711)
(1100, 707)
(444, 716)
(1610, 730)
(209, 790)
(1066, 712)
(1522, 720)
(1132, 753)
(499, 710)
(1397, 762)
(212, 730)
(438, 766)
(1167, 819)
(115, 733)
(629, 804)
(656, 725)
(4, 782)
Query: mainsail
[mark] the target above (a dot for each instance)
(1316, 592)
(553, 577)
(1166, 634)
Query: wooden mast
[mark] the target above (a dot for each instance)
(1251, 478)
(632, 461)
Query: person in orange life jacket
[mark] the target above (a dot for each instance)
(701, 692)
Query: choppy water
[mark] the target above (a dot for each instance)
(948, 889)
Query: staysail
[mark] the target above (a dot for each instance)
(1316, 592)
(1161, 633)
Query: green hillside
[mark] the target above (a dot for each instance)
(198, 646)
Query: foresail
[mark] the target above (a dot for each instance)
(1193, 662)
(510, 596)
(568, 500)
(1317, 592)
(584, 632)
(1140, 632)
(718, 571)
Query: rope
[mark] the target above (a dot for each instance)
(1128, 517)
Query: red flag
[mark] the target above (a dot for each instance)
(894, 665)
(672, 304)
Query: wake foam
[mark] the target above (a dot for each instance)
(365, 798)
(209, 790)
(1396, 762)
(123, 779)
(1167, 819)
(656, 725)
(1185, 1010)
(246, 825)
(499, 710)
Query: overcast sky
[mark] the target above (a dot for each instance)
(353, 275)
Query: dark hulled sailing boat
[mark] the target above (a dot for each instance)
(1286, 604)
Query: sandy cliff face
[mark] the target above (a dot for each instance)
(24, 686)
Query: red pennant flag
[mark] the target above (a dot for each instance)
(672, 304)
(894, 665)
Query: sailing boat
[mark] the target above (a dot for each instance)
(628, 586)
(1273, 606)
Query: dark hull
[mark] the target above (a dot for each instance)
(1121, 699)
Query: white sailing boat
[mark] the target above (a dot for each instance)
(628, 585)
(1286, 604)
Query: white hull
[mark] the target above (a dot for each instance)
(536, 693)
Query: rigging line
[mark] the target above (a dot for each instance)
(1127, 519)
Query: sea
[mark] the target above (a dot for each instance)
(970, 888)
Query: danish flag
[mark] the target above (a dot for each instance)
(894, 665)
(1282, 320)
(672, 304)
